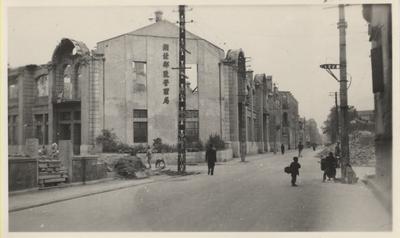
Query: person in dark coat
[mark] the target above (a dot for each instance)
(294, 170)
(211, 158)
(282, 148)
(330, 169)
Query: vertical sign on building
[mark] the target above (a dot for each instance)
(182, 94)
(165, 49)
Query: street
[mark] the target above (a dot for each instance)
(250, 196)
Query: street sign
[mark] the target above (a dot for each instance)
(330, 66)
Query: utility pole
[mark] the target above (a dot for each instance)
(344, 135)
(344, 120)
(182, 92)
(337, 117)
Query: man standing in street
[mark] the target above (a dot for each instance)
(211, 158)
(300, 147)
(148, 154)
(282, 148)
(294, 170)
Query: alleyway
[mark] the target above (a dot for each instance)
(251, 196)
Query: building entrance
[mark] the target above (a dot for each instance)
(68, 125)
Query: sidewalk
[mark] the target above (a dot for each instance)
(29, 199)
(26, 200)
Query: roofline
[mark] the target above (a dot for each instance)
(133, 34)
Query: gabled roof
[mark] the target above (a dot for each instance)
(163, 28)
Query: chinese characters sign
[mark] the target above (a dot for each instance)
(165, 75)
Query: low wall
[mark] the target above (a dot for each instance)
(22, 173)
(86, 168)
(191, 157)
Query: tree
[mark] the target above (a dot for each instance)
(330, 124)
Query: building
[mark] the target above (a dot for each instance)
(290, 120)
(379, 18)
(128, 84)
(27, 105)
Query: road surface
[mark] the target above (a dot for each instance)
(250, 196)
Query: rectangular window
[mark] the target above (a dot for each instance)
(192, 125)
(140, 132)
(192, 131)
(42, 86)
(12, 130)
(139, 67)
(13, 91)
(139, 113)
(65, 116)
(39, 128)
(139, 126)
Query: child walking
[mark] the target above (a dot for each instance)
(294, 170)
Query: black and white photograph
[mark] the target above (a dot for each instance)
(242, 116)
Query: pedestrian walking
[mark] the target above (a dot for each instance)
(300, 147)
(211, 158)
(148, 154)
(314, 146)
(294, 170)
(330, 167)
(282, 148)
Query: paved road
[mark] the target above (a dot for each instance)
(251, 196)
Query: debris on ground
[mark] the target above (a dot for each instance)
(131, 167)
(362, 149)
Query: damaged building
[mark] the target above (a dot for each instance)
(128, 84)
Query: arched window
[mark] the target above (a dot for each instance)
(42, 86)
(67, 82)
(77, 82)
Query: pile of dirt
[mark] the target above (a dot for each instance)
(131, 167)
(362, 149)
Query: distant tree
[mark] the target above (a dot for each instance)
(330, 124)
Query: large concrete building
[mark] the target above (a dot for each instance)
(128, 84)
(290, 120)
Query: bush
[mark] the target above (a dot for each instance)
(194, 146)
(217, 141)
(111, 144)
(109, 141)
(159, 146)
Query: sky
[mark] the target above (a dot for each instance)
(288, 42)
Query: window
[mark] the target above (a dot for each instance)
(191, 81)
(139, 113)
(140, 68)
(139, 126)
(12, 130)
(42, 86)
(192, 126)
(140, 132)
(41, 122)
(67, 82)
(13, 91)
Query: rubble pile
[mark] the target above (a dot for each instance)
(362, 150)
(131, 167)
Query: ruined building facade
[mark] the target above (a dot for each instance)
(128, 84)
